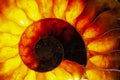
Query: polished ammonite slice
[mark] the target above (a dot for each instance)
(88, 28)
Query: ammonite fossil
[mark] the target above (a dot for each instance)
(59, 40)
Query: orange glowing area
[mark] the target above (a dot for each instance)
(96, 21)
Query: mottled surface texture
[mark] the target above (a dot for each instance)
(97, 21)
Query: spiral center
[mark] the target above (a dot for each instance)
(51, 42)
(49, 51)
